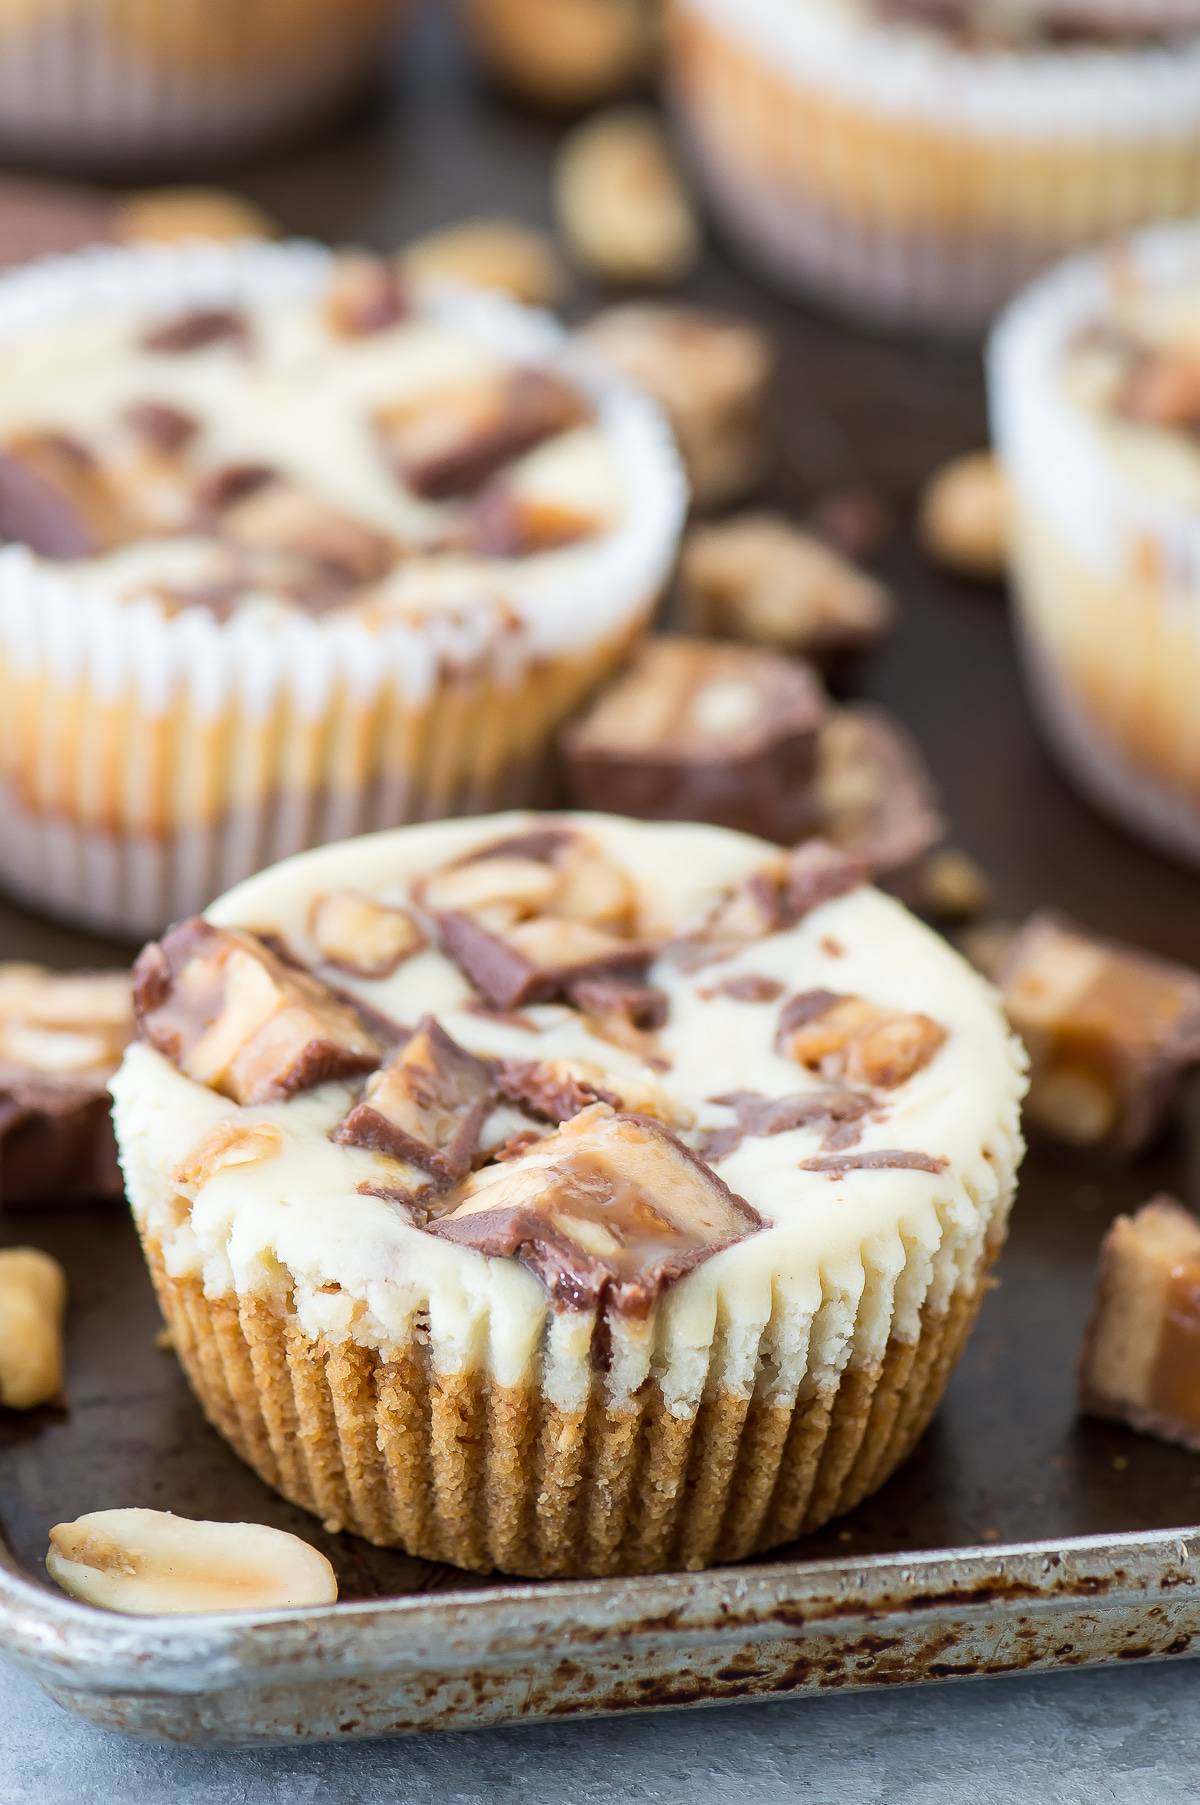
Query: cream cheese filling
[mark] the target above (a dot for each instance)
(857, 1253)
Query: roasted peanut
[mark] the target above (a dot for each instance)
(151, 1563)
(33, 1297)
(498, 253)
(622, 205)
(964, 518)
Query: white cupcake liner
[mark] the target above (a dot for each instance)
(100, 834)
(1125, 536)
(966, 242)
(83, 79)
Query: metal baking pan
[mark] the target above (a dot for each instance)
(1018, 1536)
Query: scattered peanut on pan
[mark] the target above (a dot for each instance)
(498, 253)
(952, 886)
(963, 522)
(622, 205)
(174, 215)
(33, 1297)
(566, 53)
(149, 1563)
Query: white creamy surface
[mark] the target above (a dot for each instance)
(69, 348)
(298, 1218)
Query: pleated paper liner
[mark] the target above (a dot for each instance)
(907, 181)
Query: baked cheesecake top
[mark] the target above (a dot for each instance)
(274, 429)
(533, 1067)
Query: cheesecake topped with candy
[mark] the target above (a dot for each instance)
(568, 1194)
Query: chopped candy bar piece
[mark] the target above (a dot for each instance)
(454, 441)
(775, 898)
(711, 375)
(610, 1210)
(199, 331)
(846, 1037)
(56, 498)
(883, 1159)
(557, 1089)
(61, 1039)
(694, 730)
(874, 797)
(283, 516)
(229, 1012)
(362, 937)
(1110, 1033)
(535, 960)
(760, 577)
(1141, 1356)
(503, 523)
(365, 296)
(427, 1105)
(164, 427)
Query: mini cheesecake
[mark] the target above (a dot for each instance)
(566, 1194)
(915, 161)
(294, 547)
(1094, 378)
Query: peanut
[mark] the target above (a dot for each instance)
(151, 1563)
(622, 205)
(495, 253)
(964, 518)
(33, 1297)
(175, 215)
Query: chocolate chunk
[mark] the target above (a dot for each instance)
(230, 1013)
(417, 1199)
(1140, 1362)
(838, 1113)
(454, 441)
(164, 427)
(1110, 1030)
(747, 987)
(228, 485)
(536, 960)
(554, 1089)
(625, 1012)
(874, 796)
(608, 1212)
(362, 937)
(699, 731)
(365, 297)
(61, 1039)
(770, 901)
(847, 1037)
(55, 499)
(885, 1159)
(427, 1104)
(198, 330)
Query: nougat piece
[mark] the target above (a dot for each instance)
(366, 938)
(1111, 1032)
(846, 1037)
(453, 441)
(609, 1211)
(711, 374)
(228, 1011)
(61, 1040)
(694, 730)
(1140, 1361)
(762, 578)
(427, 1104)
(874, 797)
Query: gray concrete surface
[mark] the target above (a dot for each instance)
(1115, 1737)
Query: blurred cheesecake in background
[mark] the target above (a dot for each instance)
(916, 160)
(296, 548)
(85, 81)
(1095, 395)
